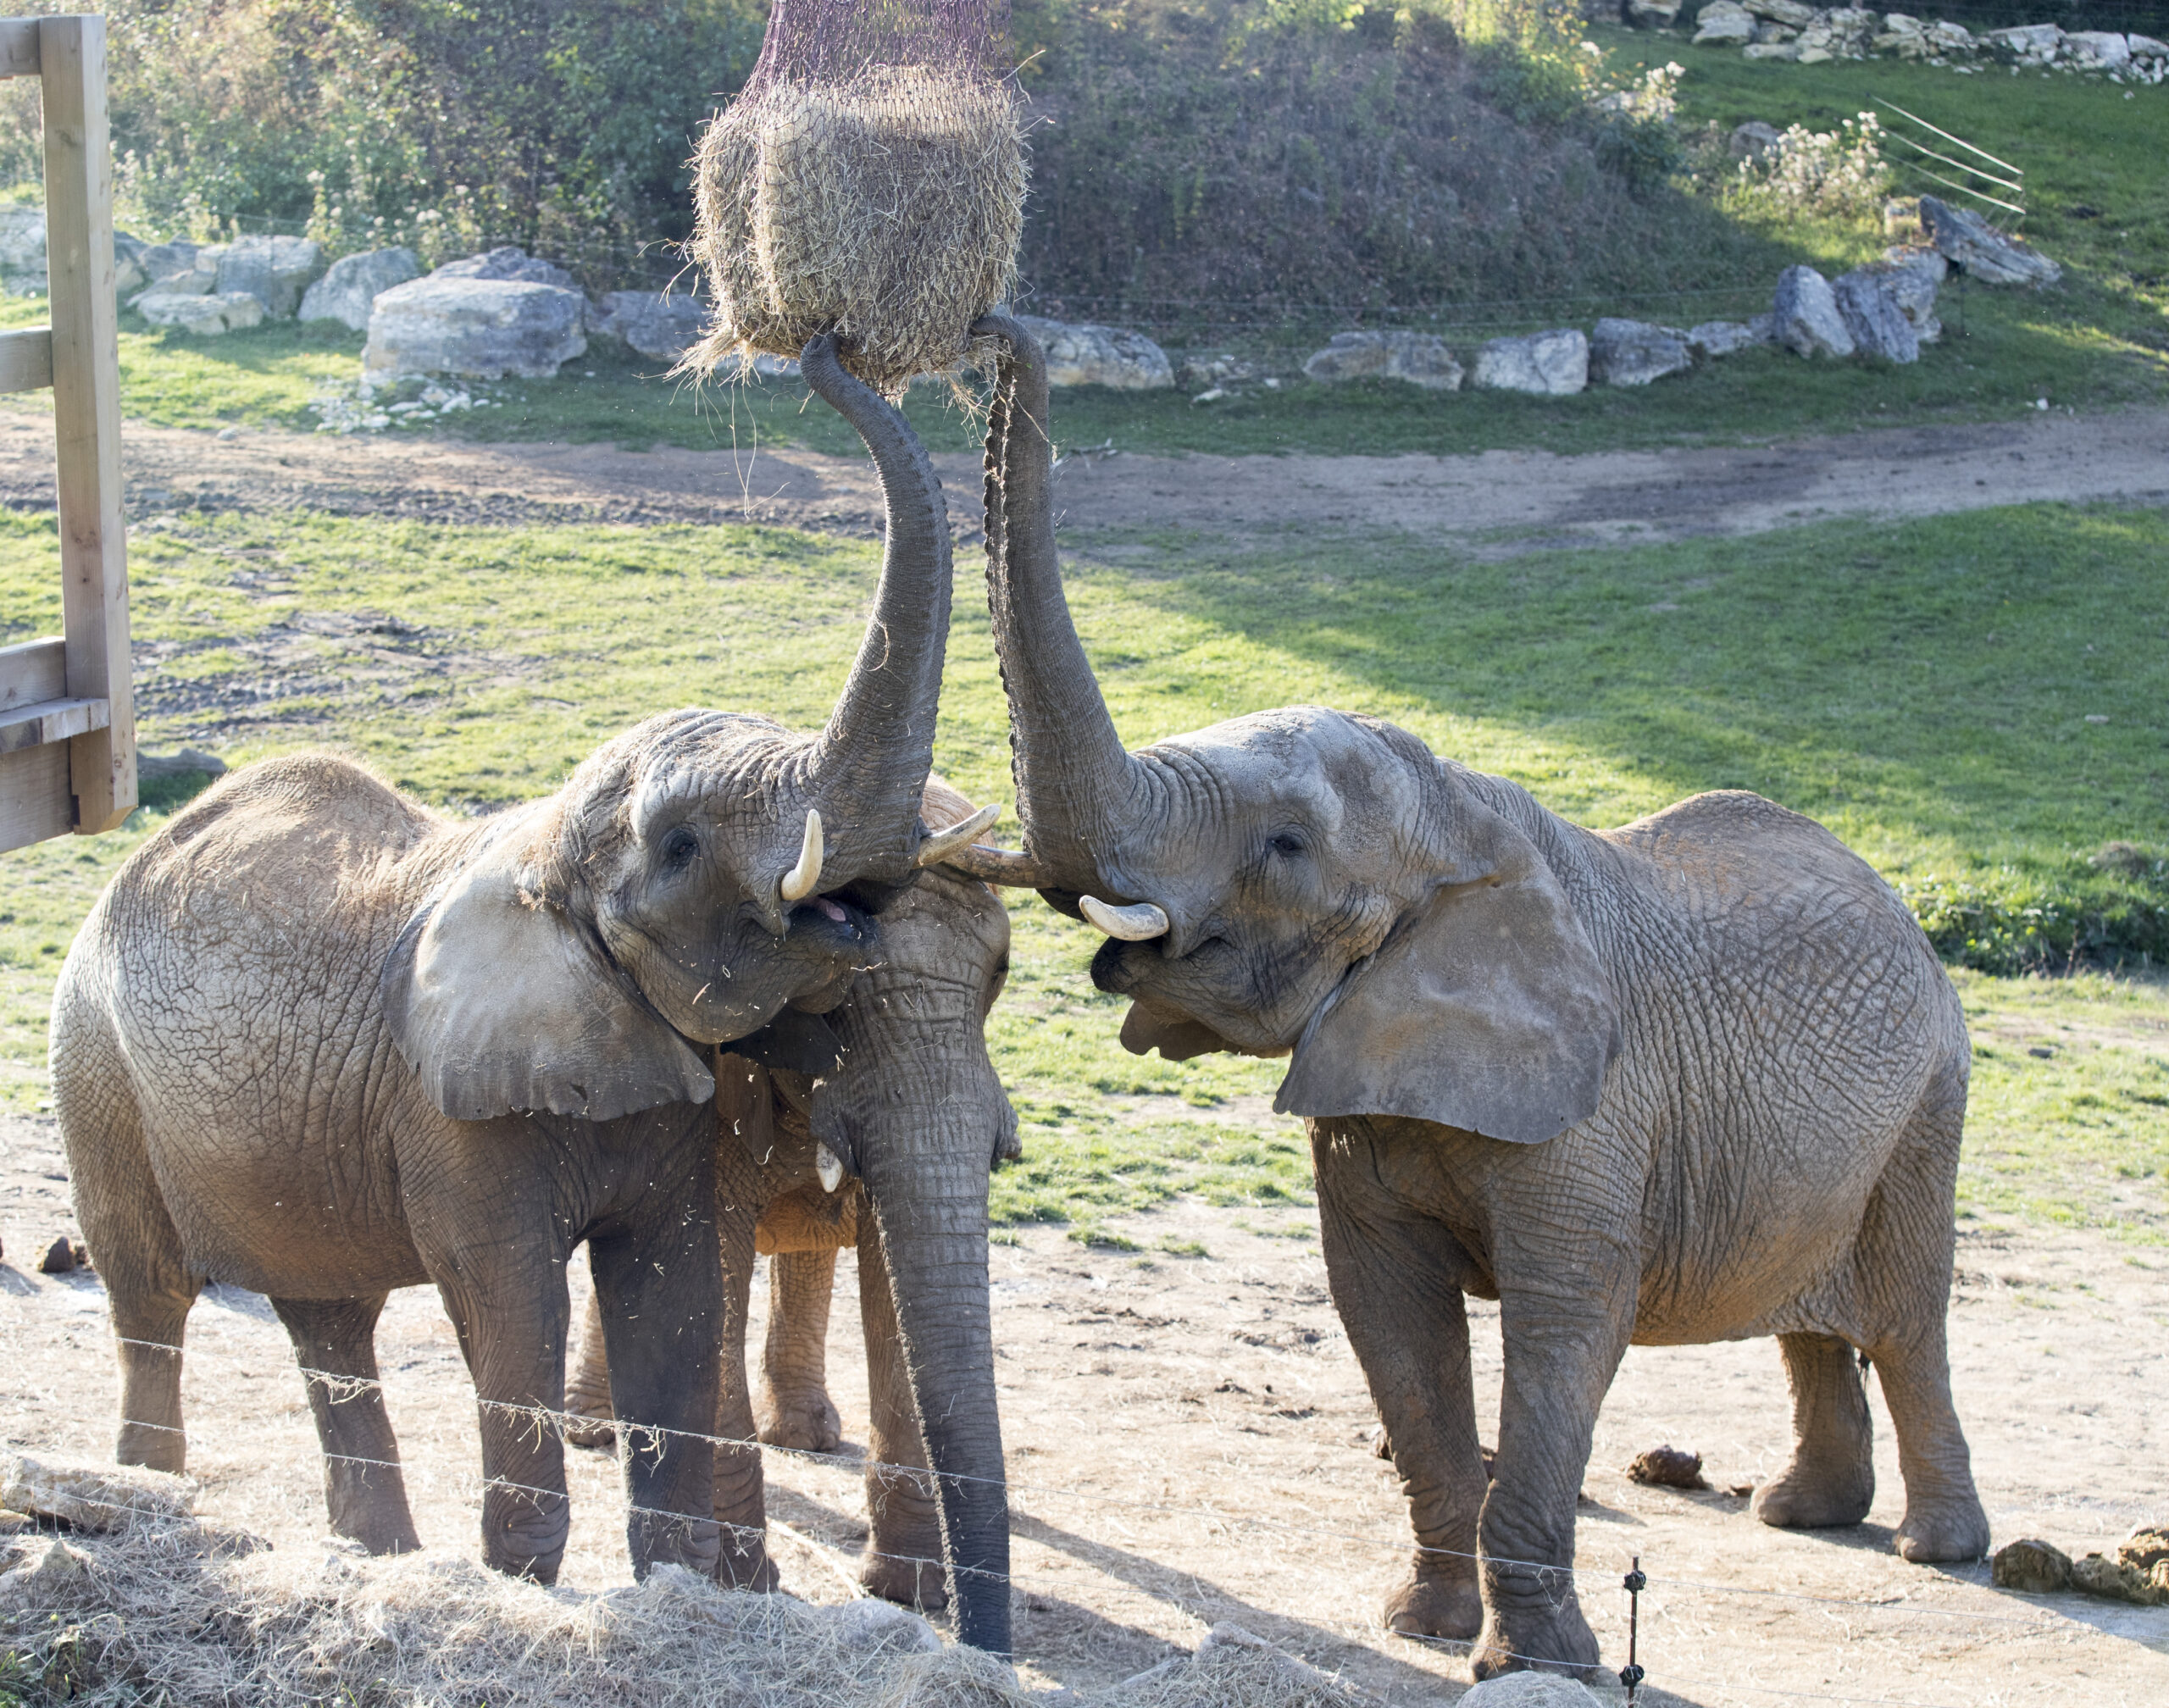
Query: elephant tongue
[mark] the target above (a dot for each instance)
(830, 908)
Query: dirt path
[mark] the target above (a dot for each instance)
(1501, 499)
(1188, 1442)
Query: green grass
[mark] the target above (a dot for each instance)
(1923, 688)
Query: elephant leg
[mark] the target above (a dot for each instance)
(740, 1502)
(793, 1407)
(589, 1422)
(1566, 1315)
(364, 1487)
(1395, 1282)
(1830, 1478)
(148, 1326)
(1943, 1517)
(903, 1557)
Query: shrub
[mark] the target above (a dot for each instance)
(2111, 909)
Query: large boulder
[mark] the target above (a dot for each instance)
(1868, 300)
(1724, 23)
(1714, 338)
(1805, 315)
(1086, 355)
(1546, 364)
(350, 287)
(1970, 244)
(509, 266)
(660, 326)
(1653, 14)
(275, 270)
(206, 316)
(1634, 352)
(2097, 50)
(22, 252)
(180, 268)
(1793, 14)
(2035, 44)
(1916, 273)
(1415, 358)
(481, 329)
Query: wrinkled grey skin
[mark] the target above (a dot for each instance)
(1697, 1079)
(321, 1042)
(916, 1103)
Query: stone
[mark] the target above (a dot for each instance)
(206, 316)
(659, 326)
(128, 273)
(1544, 364)
(1199, 373)
(1807, 55)
(1415, 358)
(2145, 47)
(2034, 41)
(1807, 318)
(1635, 352)
(1868, 300)
(1530, 1690)
(2031, 1565)
(2148, 1546)
(351, 285)
(45, 1573)
(1715, 338)
(173, 269)
(275, 270)
(1723, 23)
(2098, 50)
(507, 265)
(22, 252)
(2109, 1578)
(1792, 13)
(478, 327)
(1109, 356)
(1970, 243)
(59, 1257)
(1787, 50)
(1752, 140)
(1917, 273)
(1653, 14)
(1952, 41)
(867, 1626)
(93, 1497)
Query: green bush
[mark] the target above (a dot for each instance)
(2111, 909)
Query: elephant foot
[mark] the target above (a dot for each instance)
(1805, 1498)
(806, 1421)
(380, 1533)
(1946, 1530)
(743, 1563)
(588, 1419)
(154, 1450)
(1554, 1639)
(909, 1582)
(524, 1536)
(1436, 1607)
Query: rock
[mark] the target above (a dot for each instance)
(1715, 338)
(2109, 1578)
(45, 1574)
(275, 270)
(482, 329)
(128, 273)
(2146, 48)
(1806, 55)
(1772, 50)
(2148, 1546)
(1199, 373)
(207, 317)
(1546, 364)
(1807, 320)
(2033, 1565)
(1970, 243)
(353, 284)
(507, 265)
(1723, 23)
(1634, 352)
(1417, 359)
(1792, 13)
(93, 1497)
(1915, 274)
(1530, 1690)
(659, 327)
(1110, 356)
(1653, 14)
(1868, 298)
(59, 1257)
(1951, 40)
(174, 268)
(869, 1625)
(2097, 50)
(186, 762)
(22, 252)
(1752, 140)
(2038, 42)
(1667, 1467)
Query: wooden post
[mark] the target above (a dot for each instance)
(86, 412)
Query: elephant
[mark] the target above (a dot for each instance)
(317, 1040)
(919, 1095)
(1699, 1078)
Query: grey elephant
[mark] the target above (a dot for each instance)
(909, 1096)
(1700, 1078)
(321, 1042)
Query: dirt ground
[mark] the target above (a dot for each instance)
(1500, 501)
(1188, 1442)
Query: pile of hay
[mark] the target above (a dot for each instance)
(885, 208)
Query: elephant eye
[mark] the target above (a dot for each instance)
(679, 848)
(1288, 843)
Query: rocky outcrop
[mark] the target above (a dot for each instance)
(275, 270)
(660, 327)
(351, 285)
(485, 318)
(1791, 30)
(1807, 319)
(207, 316)
(1635, 352)
(1545, 364)
(1970, 244)
(1110, 356)
(1415, 358)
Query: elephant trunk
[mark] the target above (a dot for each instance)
(865, 771)
(1078, 789)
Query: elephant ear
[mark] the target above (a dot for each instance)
(1485, 1008)
(503, 1005)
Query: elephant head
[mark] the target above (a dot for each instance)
(1300, 882)
(698, 875)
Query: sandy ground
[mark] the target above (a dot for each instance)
(1188, 1442)
(1500, 499)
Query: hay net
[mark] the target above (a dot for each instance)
(868, 181)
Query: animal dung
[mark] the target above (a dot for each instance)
(1667, 1467)
(2031, 1565)
(869, 182)
(59, 1257)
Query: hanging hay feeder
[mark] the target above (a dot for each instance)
(869, 182)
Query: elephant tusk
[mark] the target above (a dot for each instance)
(1004, 866)
(829, 1167)
(1132, 924)
(938, 845)
(798, 883)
